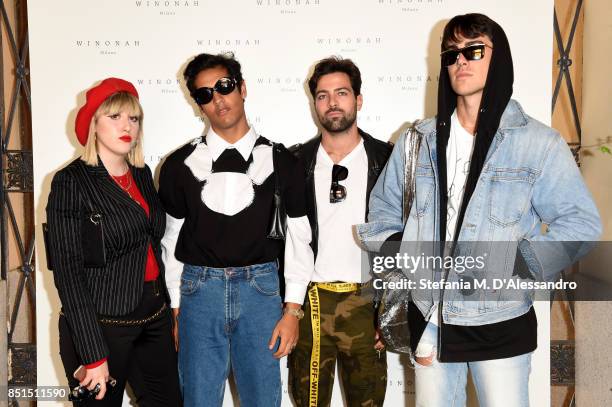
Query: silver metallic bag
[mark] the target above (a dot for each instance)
(393, 311)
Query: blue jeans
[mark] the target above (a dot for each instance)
(498, 382)
(227, 316)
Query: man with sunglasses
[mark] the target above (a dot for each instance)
(341, 166)
(222, 246)
(486, 173)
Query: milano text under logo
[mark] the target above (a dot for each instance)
(406, 82)
(108, 47)
(284, 84)
(287, 3)
(411, 6)
(164, 86)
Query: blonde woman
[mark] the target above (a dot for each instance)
(105, 223)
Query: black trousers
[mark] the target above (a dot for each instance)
(143, 356)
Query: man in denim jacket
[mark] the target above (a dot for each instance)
(501, 176)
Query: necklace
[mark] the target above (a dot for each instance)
(124, 182)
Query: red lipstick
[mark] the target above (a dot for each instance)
(126, 138)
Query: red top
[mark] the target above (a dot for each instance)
(126, 182)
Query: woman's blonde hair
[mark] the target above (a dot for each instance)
(116, 103)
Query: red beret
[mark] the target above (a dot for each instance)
(94, 98)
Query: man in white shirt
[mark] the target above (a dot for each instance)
(342, 165)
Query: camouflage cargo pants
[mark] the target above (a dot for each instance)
(346, 335)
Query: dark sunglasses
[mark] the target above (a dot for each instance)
(81, 393)
(472, 52)
(224, 86)
(337, 193)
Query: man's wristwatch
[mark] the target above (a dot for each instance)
(296, 312)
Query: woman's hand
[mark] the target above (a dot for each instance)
(97, 375)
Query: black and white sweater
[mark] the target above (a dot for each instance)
(219, 202)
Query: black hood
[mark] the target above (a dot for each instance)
(495, 98)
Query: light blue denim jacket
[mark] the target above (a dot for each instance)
(529, 178)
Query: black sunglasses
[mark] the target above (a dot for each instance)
(81, 393)
(337, 193)
(224, 86)
(472, 52)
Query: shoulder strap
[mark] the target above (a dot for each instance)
(83, 181)
(275, 152)
(411, 157)
(278, 225)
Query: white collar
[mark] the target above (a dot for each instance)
(218, 145)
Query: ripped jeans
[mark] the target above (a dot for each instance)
(498, 382)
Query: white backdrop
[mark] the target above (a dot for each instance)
(76, 43)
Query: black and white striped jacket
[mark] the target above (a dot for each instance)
(113, 290)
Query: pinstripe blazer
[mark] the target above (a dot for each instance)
(115, 289)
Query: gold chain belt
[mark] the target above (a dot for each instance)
(315, 320)
(133, 322)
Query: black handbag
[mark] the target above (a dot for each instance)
(278, 222)
(92, 232)
(92, 238)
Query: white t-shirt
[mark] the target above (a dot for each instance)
(339, 256)
(458, 156)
